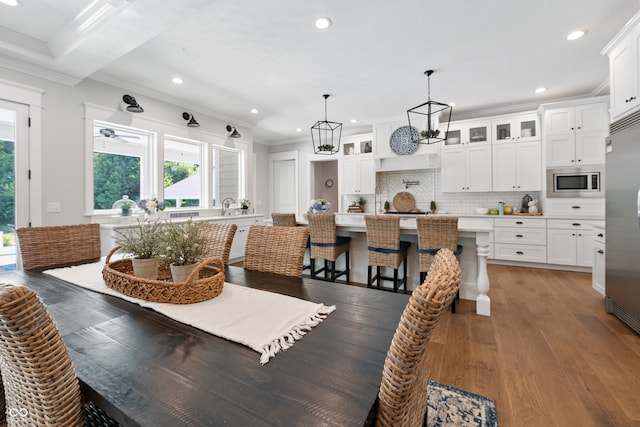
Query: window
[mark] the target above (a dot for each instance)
(227, 175)
(121, 164)
(182, 173)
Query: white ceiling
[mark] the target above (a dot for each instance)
(237, 55)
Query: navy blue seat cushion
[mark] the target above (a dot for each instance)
(404, 246)
(340, 240)
(435, 251)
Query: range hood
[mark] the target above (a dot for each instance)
(410, 162)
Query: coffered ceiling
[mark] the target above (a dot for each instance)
(238, 55)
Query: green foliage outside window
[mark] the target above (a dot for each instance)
(7, 185)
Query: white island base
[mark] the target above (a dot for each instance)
(473, 235)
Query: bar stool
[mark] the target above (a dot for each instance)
(284, 219)
(287, 220)
(385, 249)
(327, 245)
(435, 233)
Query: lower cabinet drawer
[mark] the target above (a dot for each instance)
(525, 253)
(526, 236)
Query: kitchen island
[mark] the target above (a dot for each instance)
(473, 235)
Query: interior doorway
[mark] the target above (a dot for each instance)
(283, 177)
(324, 182)
(13, 134)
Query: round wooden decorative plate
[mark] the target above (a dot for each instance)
(404, 202)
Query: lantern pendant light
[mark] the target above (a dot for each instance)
(325, 135)
(425, 118)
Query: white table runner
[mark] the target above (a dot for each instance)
(264, 321)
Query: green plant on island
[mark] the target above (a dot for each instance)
(433, 206)
(387, 206)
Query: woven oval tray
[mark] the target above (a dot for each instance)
(404, 202)
(206, 282)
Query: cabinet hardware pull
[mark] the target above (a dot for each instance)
(576, 224)
(519, 252)
(519, 235)
(600, 235)
(518, 222)
(600, 251)
(575, 207)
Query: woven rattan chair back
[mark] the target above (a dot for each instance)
(219, 240)
(326, 245)
(402, 399)
(384, 232)
(275, 249)
(58, 246)
(37, 372)
(284, 219)
(435, 232)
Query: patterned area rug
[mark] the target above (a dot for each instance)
(450, 406)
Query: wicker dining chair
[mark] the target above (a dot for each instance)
(219, 240)
(326, 245)
(275, 249)
(435, 233)
(40, 382)
(58, 246)
(284, 219)
(402, 398)
(385, 249)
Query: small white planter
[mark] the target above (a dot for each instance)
(180, 273)
(145, 268)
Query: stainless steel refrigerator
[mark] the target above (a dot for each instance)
(622, 229)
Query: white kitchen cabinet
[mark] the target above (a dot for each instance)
(465, 168)
(575, 135)
(598, 271)
(575, 208)
(358, 175)
(517, 166)
(516, 127)
(518, 238)
(569, 242)
(624, 69)
(467, 133)
(240, 239)
(356, 145)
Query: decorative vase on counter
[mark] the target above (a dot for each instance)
(180, 273)
(147, 268)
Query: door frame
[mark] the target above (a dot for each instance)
(279, 157)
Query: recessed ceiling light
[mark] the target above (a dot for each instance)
(452, 104)
(323, 23)
(298, 129)
(177, 80)
(576, 34)
(354, 120)
(541, 89)
(254, 111)
(9, 2)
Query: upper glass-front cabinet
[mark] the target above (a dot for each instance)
(516, 128)
(468, 133)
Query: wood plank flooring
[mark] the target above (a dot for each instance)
(549, 354)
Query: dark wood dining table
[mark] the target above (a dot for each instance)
(146, 369)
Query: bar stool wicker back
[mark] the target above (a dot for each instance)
(37, 372)
(385, 249)
(284, 219)
(402, 398)
(326, 245)
(435, 233)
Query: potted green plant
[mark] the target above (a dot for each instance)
(126, 208)
(143, 242)
(387, 206)
(433, 207)
(244, 205)
(183, 246)
(362, 201)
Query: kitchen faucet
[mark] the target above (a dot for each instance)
(225, 204)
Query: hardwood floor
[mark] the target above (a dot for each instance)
(549, 354)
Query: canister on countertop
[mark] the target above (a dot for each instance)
(525, 203)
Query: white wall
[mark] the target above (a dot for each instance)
(62, 178)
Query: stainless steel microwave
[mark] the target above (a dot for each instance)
(576, 181)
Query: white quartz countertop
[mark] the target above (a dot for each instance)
(355, 222)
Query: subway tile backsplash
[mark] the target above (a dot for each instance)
(425, 186)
